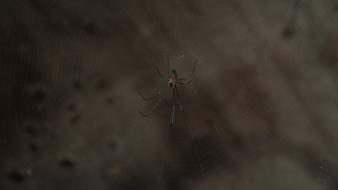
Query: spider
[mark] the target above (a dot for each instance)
(171, 82)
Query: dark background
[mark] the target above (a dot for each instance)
(260, 114)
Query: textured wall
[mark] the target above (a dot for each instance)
(260, 114)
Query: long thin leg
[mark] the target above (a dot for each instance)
(152, 109)
(172, 116)
(160, 94)
(194, 67)
(160, 74)
(189, 81)
(173, 110)
(179, 82)
(154, 96)
(191, 77)
(168, 62)
(179, 100)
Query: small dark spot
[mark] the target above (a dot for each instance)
(237, 141)
(32, 130)
(16, 176)
(53, 136)
(38, 96)
(102, 84)
(110, 100)
(210, 122)
(112, 145)
(211, 154)
(75, 119)
(66, 164)
(288, 33)
(90, 27)
(72, 107)
(77, 84)
(33, 147)
(335, 8)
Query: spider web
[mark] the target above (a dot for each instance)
(185, 124)
(199, 165)
(182, 139)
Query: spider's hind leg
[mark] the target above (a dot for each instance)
(179, 100)
(172, 118)
(172, 115)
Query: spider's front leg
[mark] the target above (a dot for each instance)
(160, 74)
(190, 78)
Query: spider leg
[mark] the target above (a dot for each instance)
(160, 74)
(189, 82)
(192, 74)
(148, 98)
(154, 96)
(172, 116)
(179, 100)
(153, 108)
(168, 61)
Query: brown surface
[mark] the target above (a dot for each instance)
(261, 114)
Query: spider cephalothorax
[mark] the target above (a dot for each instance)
(172, 81)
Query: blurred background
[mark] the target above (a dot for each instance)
(261, 112)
